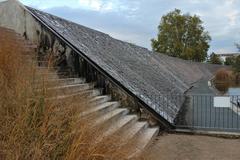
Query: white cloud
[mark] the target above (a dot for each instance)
(110, 6)
(91, 4)
(232, 16)
(231, 1)
(221, 17)
(197, 1)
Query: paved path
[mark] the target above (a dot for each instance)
(201, 87)
(193, 147)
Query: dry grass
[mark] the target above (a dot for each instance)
(33, 127)
(30, 127)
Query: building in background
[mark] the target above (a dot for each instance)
(223, 56)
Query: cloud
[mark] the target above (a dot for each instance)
(137, 20)
(91, 4)
(232, 16)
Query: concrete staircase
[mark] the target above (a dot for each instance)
(107, 113)
(135, 135)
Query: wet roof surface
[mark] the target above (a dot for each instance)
(154, 78)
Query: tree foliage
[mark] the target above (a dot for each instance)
(236, 65)
(238, 46)
(182, 35)
(230, 60)
(215, 59)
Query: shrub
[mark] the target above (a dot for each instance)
(223, 75)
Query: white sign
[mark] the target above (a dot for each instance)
(222, 102)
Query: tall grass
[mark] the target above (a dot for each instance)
(30, 127)
(34, 127)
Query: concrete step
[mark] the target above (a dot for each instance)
(46, 76)
(51, 71)
(120, 124)
(107, 119)
(69, 89)
(52, 75)
(132, 131)
(59, 82)
(141, 142)
(99, 100)
(76, 97)
(101, 109)
(47, 69)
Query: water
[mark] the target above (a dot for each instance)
(228, 88)
(233, 91)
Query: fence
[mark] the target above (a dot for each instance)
(210, 113)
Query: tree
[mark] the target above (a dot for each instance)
(238, 46)
(229, 60)
(215, 59)
(236, 68)
(183, 36)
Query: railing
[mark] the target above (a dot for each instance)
(197, 111)
(210, 112)
(104, 75)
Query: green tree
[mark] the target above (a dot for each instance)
(215, 59)
(229, 60)
(236, 67)
(238, 46)
(182, 35)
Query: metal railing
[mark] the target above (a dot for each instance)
(203, 112)
(98, 70)
(197, 110)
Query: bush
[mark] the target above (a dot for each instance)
(223, 75)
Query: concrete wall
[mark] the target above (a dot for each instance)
(13, 15)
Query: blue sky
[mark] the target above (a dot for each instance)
(136, 21)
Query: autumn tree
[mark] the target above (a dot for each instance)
(182, 35)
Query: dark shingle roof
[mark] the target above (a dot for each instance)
(149, 76)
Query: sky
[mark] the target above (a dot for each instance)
(136, 21)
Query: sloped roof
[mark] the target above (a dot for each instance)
(154, 78)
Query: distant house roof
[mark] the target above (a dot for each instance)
(228, 54)
(155, 78)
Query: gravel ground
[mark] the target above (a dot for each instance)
(193, 147)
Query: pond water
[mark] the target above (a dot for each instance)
(228, 88)
(234, 91)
